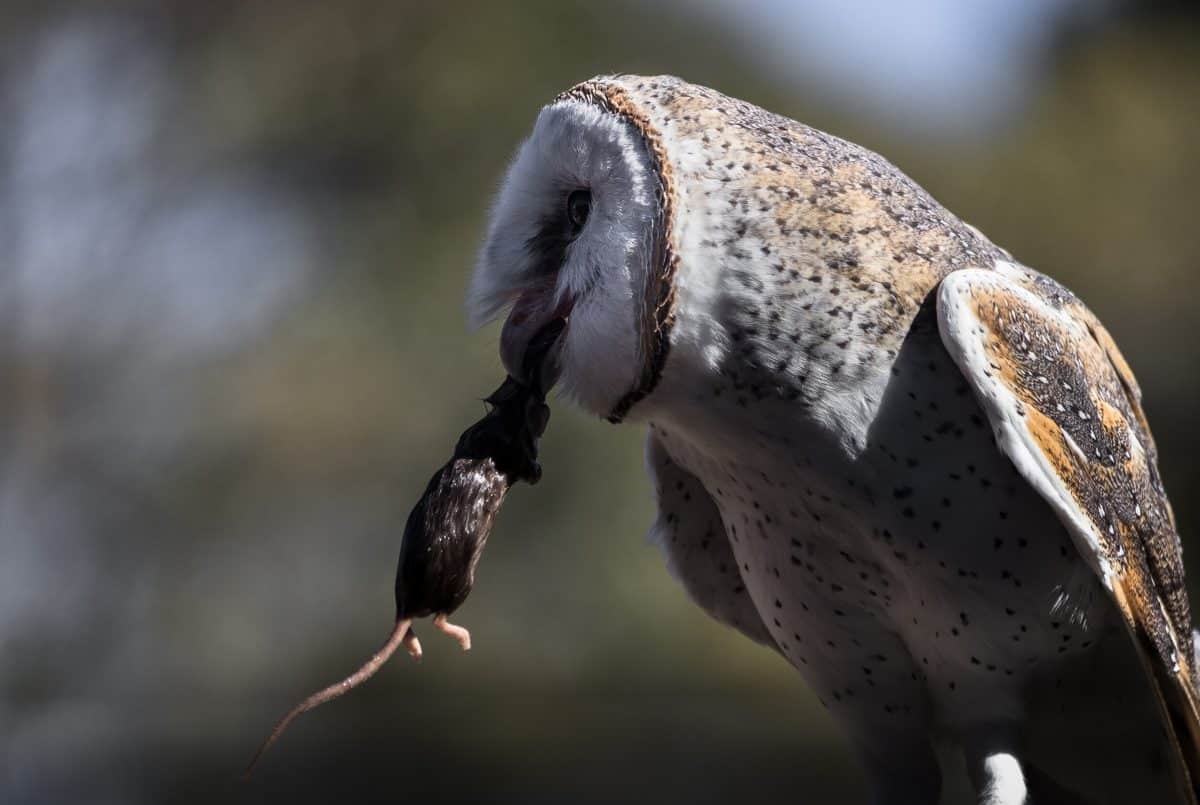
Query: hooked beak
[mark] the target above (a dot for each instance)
(535, 310)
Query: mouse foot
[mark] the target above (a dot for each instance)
(413, 645)
(457, 632)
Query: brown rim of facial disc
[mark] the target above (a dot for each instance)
(655, 327)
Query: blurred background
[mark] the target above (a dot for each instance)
(234, 240)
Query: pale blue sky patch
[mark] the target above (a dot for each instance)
(923, 66)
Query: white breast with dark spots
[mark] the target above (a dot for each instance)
(918, 579)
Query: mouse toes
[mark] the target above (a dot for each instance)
(413, 645)
(457, 632)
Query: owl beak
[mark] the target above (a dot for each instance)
(532, 316)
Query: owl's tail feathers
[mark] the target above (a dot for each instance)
(1178, 699)
(1173, 681)
(1196, 653)
(401, 634)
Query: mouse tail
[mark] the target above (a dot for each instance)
(401, 634)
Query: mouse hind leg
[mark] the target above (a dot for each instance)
(459, 633)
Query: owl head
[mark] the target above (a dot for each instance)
(761, 256)
(578, 230)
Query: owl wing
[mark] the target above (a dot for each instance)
(1067, 412)
(691, 535)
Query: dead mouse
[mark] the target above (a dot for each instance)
(448, 528)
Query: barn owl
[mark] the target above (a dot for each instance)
(915, 468)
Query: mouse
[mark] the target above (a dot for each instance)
(447, 530)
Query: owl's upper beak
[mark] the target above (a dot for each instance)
(535, 310)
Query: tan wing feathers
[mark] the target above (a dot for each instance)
(1067, 410)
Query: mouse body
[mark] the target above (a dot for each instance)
(448, 528)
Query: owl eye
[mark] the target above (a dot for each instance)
(579, 206)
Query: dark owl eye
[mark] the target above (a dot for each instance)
(579, 206)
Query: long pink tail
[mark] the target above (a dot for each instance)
(368, 669)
